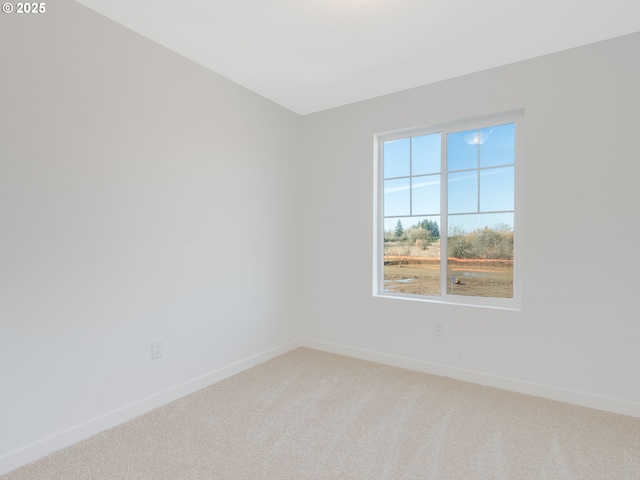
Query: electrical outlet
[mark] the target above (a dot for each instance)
(157, 350)
(438, 329)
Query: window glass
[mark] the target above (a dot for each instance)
(412, 255)
(397, 197)
(499, 147)
(397, 160)
(463, 192)
(462, 150)
(425, 191)
(480, 255)
(425, 154)
(497, 189)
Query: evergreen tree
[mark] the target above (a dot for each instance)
(399, 229)
(431, 226)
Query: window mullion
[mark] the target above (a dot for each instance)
(444, 212)
(478, 173)
(411, 176)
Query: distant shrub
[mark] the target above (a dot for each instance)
(485, 243)
(419, 236)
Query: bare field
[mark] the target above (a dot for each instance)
(405, 272)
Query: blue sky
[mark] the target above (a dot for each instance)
(480, 179)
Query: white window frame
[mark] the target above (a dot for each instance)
(517, 118)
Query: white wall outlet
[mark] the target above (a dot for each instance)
(438, 329)
(157, 350)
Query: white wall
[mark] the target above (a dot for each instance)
(141, 197)
(576, 337)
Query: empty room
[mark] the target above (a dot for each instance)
(304, 239)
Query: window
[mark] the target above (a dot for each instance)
(446, 205)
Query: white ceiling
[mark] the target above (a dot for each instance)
(310, 55)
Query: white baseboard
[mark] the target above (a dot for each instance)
(538, 390)
(48, 445)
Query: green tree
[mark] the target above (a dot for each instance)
(399, 229)
(431, 226)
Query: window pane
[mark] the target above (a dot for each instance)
(397, 157)
(496, 189)
(463, 192)
(426, 195)
(425, 154)
(462, 150)
(480, 258)
(397, 197)
(412, 258)
(499, 148)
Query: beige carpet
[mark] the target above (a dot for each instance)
(314, 415)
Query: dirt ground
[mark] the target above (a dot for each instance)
(418, 272)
